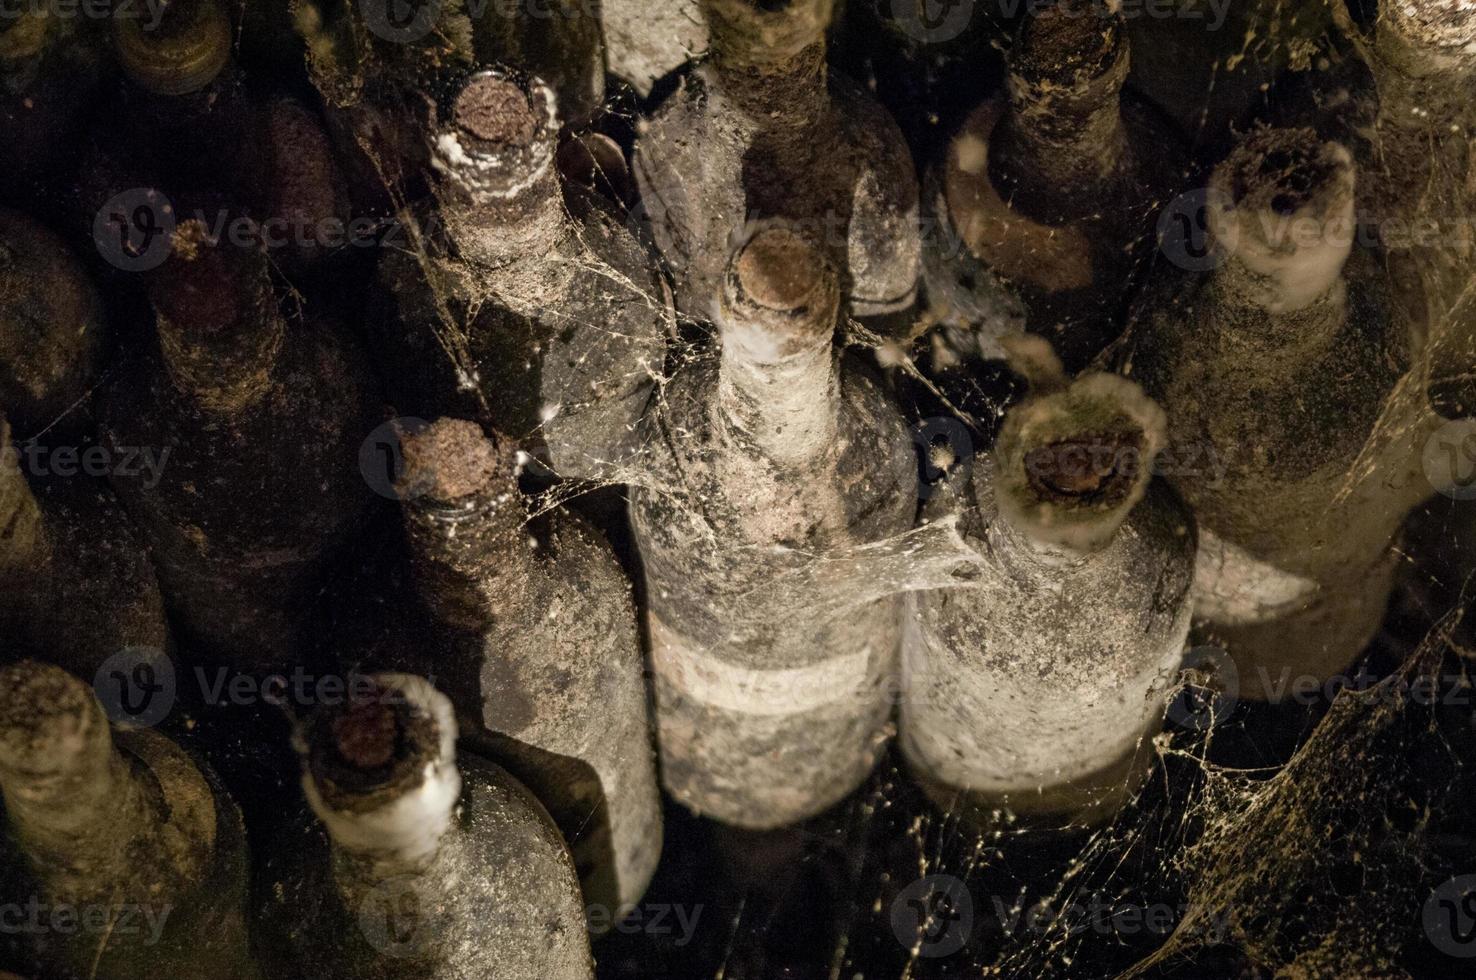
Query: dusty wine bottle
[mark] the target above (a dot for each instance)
(502, 591)
(770, 700)
(51, 331)
(420, 864)
(1419, 161)
(1046, 196)
(1037, 688)
(761, 129)
(123, 830)
(78, 586)
(547, 317)
(1276, 369)
(264, 422)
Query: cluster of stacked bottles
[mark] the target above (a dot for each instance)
(236, 279)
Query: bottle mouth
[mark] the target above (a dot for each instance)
(179, 52)
(1448, 26)
(500, 133)
(1068, 43)
(379, 741)
(1092, 469)
(1073, 463)
(50, 724)
(453, 472)
(779, 281)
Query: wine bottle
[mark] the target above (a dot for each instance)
(123, 833)
(761, 129)
(1278, 370)
(772, 460)
(420, 864)
(1418, 190)
(1044, 203)
(490, 591)
(264, 420)
(51, 331)
(78, 586)
(543, 317)
(1037, 688)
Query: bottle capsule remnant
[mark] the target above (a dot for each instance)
(414, 863)
(537, 309)
(124, 829)
(1278, 371)
(770, 679)
(532, 623)
(1047, 194)
(1036, 688)
(762, 129)
(264, 422)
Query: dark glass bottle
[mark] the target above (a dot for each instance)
(1280, 372)
(421, 863)
(264, 420)
(543, 317)
(766, 462)
(490, 592)
(1036, 688)
(1042, 209)
(126, 829)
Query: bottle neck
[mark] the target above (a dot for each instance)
(388, 815)
(1063, 135)
(1254, 315)
(471, 559)
(220, 331)
(785, 407)
(498, 226)
(777, 93)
